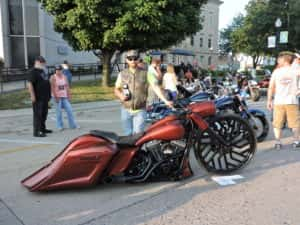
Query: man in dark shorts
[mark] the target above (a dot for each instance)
(40, 94)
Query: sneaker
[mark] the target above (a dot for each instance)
(278, 146)
(296, 144)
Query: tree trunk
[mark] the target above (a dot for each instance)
(105, 60)
(255, 60)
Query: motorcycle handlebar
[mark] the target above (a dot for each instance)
(180, 108)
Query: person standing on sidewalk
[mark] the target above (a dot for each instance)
(66, 71)
(283, 86)
(40, 94)
(154, 76)
(170, 82)
(296, 65)
(132, 89)
(61, 95)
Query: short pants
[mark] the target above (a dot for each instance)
(286, 112)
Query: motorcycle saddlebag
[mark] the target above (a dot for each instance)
(80, 164)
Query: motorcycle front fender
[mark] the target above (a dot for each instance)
(256, 112)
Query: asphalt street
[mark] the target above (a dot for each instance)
(267, 194)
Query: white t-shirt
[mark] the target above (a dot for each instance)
(285, 80)
(169, 82)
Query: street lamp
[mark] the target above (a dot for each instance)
(278, 24)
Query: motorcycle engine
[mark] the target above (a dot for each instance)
(168, 153)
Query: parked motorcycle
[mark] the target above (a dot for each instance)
(252, 90)
(229, 103)
(222, 144)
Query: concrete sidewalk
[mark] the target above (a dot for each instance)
(76, 107)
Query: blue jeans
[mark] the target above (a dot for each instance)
(64, 103)
(133, 123)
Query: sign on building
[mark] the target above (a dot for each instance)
(284, 37)
(271, 41)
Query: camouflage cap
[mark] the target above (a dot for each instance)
(132, 53)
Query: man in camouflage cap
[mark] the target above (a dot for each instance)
(132, 89)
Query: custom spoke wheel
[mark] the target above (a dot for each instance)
(228, 146)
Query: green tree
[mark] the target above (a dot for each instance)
(110, 25)
(251, 38)
(294, 23)
(289, 13)
(225, 34)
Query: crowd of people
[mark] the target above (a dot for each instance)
(44, 86)
(143, 84)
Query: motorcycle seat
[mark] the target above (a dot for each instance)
(122, 141)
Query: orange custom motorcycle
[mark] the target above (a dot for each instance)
(222, 144)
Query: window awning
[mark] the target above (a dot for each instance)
(156, 52)
(185, 52)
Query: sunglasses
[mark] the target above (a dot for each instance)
(132, 58)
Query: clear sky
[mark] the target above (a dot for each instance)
(229, 9)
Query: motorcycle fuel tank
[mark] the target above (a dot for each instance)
(169, 130)
(203, 108)
(80, 164)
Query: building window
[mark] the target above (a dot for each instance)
(15, 17)
(201, 58)
(24, 36)
(173, 58)
(32, 17)
(209, 60)
(33, 46)
(201, 42)
(209, 43)
(17, 51)
(192, 40)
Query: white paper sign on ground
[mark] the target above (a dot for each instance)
(226, 180)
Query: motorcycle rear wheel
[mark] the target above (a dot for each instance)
(234, 153)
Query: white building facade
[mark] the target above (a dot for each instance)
(204, 44)
(27, 31)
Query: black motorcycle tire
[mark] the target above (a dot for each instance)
(218, 158)
(265, 124)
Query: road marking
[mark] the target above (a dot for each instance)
(77, 215)
(28, 142)
(26, 148)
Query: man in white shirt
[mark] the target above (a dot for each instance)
(296, 65)
(284, 87)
